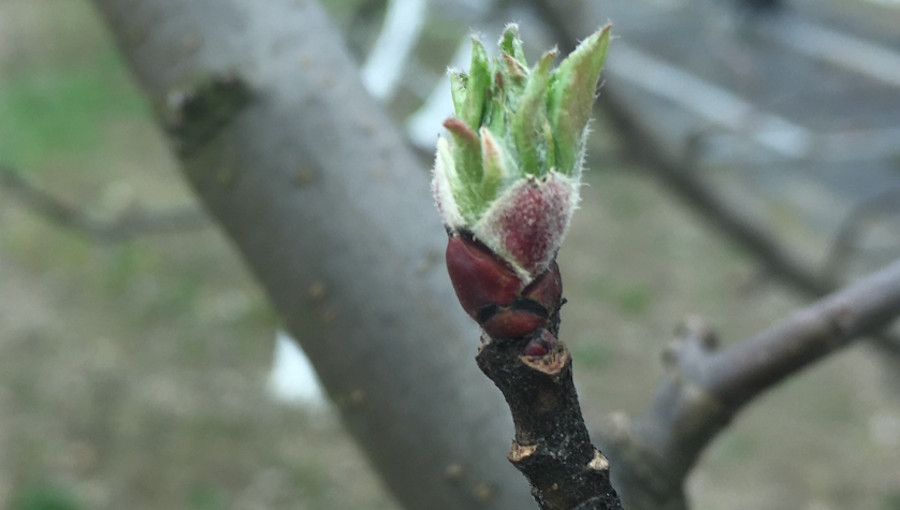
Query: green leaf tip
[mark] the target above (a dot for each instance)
(477, 85)
(514, 122)
(511, 44)
(530, 117)
(572, 98)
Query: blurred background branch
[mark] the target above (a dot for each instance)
(705, 387)
(124, 226)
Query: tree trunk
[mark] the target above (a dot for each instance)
(333, 215)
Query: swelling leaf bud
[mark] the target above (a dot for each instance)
(506, 181)
(510, 172)
(492, 293)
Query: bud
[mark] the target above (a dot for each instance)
(506, 182)
(494, 295)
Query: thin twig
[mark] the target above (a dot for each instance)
(552, 447)
(723, 382)
(742, 372)
(704, 388)
(131, 224)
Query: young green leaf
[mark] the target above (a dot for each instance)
(572, 97)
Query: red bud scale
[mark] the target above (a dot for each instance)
(493, 294)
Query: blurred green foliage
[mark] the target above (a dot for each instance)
(62, 111)
(45, 497)
(592, 353)
(630, 297)
(205, 497)
(891, 501)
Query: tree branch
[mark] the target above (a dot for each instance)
(313, 183)
(552, 447)
(742, 372)
(704, 388)
(133, 223)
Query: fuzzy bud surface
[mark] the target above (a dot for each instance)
(506, 181)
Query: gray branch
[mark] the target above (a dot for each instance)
(704, 388)
(313, 184)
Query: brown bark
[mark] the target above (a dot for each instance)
(552, 447)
